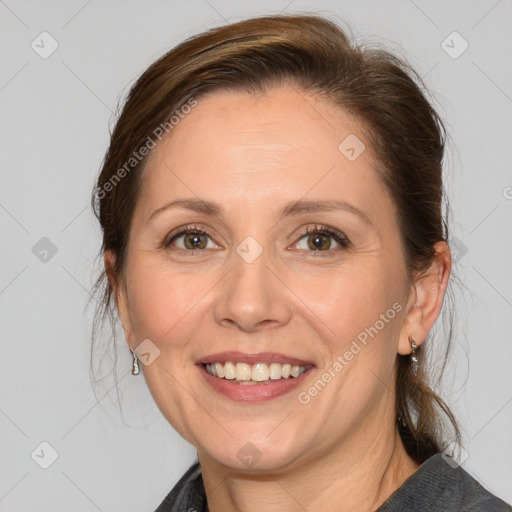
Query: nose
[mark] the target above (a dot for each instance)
(251, 297)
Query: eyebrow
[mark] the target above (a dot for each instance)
(291, 209)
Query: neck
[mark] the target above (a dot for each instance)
(360, 478)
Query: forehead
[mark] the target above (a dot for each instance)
(253, 151)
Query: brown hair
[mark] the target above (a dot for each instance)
(314, 55)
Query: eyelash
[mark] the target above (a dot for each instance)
(339, 237)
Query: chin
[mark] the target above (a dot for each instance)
(253, 454)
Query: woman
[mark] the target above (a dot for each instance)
(275, 248)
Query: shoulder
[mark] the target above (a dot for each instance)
(187, 494)
(440, 485)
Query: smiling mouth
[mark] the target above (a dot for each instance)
(250, 374)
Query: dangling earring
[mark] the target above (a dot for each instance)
(135, 364)
(414, 356)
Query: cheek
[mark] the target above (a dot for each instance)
(361, 306)
(352, 297)
(165, 303)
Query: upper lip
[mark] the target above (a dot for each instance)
(260, 357)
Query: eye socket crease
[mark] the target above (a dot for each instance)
(293, 208)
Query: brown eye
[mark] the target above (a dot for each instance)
(190, 239)
(322, 239)
(318, 241)
(195, 241)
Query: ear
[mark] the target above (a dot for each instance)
(120, 295)
(426, 299)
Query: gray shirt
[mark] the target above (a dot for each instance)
(436, 486)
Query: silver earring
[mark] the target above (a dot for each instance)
(414, 356)
(135, 364)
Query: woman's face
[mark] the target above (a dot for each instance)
(256, 173)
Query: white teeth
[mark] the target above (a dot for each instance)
(219, 370)
(275, 371)
(294, 372)
(245, 373)
(229, 371)
(260, 372)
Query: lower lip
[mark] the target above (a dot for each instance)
(253, 392)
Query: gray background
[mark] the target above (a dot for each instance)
(54, 132)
